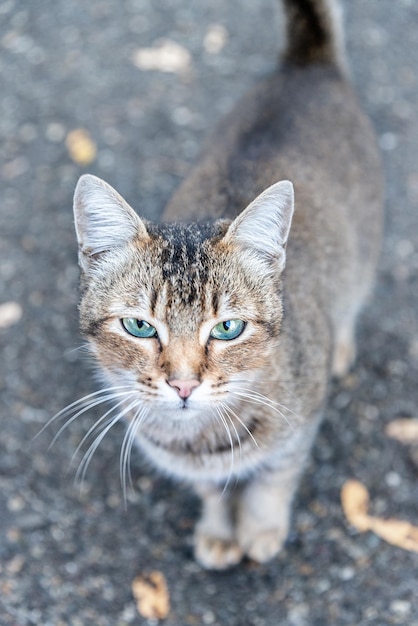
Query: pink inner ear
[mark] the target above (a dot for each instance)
(184, 387)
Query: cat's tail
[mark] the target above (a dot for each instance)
(314, 33)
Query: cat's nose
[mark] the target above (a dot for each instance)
(184, 387)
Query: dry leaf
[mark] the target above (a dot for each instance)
(404, 430)
(164, 56)
(355, 502)
(396, 532)
(81, 147)
(151, 594)
(10, 313)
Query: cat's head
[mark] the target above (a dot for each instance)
(181, 312)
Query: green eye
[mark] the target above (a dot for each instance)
(138, 328)
(227, 330)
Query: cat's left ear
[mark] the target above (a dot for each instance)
(263, 227)
(103, 220)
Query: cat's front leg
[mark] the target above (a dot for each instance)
(263, 513)
(215, 545)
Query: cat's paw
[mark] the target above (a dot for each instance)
(264, 545)
(215, 553)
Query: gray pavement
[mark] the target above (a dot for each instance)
(68, 557)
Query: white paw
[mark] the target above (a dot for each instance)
(265, 545)
(215, 553)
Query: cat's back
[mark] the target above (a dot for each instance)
(302, 123)
(305, 125)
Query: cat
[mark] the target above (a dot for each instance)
(218, 335)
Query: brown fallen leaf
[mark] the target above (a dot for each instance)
(355, 503)
(396, 532)
(404, 430)
(81, 147)
(151, 594)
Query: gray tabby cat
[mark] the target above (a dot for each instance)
(219, 357)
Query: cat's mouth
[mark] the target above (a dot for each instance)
(181, 411)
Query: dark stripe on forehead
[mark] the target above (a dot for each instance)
(183, 258)
(153, 301)
(189, 235)
(215, 302)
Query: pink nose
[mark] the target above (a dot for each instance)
(184, 387)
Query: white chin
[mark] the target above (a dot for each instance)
(178, 412)
(183, 414)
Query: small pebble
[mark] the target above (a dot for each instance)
(10, 313)
(400, 607)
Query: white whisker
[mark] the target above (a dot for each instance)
(85, 461)
(80, 402)
(87, 408)
(84, 347)
(126, 449)
(241, 422)
(254, 398)
(267, 399)
(98, 426)
(231, 443)
(223, 407)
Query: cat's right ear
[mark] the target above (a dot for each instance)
(103, 220)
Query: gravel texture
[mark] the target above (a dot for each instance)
(68, 556)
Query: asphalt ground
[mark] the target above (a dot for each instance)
(69, 556)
